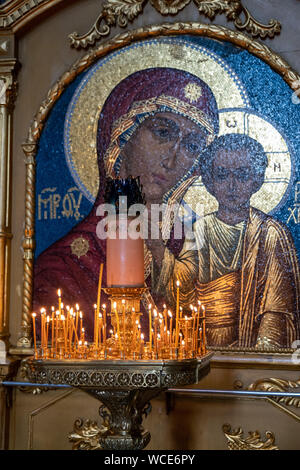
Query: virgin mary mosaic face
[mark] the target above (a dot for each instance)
(153, 110)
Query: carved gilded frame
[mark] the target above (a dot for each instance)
(30, 147)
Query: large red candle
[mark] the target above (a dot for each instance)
(124, 258)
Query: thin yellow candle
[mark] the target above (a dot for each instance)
(155, 330)
(104, 323)
(81, 317)
(95, 325)
(158, 343)
(56, 328)
(197, 322)
(186, 330)
(150, 326)
(142, 345)
(171, 323)
(82, 335)
(42, 328)
(177, 314)
(203, 327)
(59, 300)
(118, 323)
(68, 321)
(63, 319)
(73, 318)
(52, 328)
(99, 288)
(76, 318)
(135, 334)
(34, 333)
(165, 314)
(98, 304)
(182, 347)
(47, 330)
(100, 322)
(123, 309)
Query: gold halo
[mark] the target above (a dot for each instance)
(278, 172)
(83, 113)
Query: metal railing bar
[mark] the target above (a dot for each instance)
(185, 391)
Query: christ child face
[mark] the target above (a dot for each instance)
(161, 151)
(234, 179)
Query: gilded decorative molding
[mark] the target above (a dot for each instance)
(237, 441)
(277, 385)
(85, 435)
(8, 91)
(30, 146)
(120, 12)
(17, 13)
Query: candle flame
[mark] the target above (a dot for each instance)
(123, 301)
(95, 305)
(177, 283)
(104, 306)
(115, 305)
(59, 293)
(77, 307)
(149, 306)
(33, 315)
(142, 336)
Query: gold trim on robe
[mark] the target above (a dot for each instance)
(268, 291)
(221, 300)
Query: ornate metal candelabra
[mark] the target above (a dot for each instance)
(121, 370)
(124, 389)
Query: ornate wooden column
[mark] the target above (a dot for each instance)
(7, 97)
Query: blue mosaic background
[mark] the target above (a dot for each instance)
(268, 94)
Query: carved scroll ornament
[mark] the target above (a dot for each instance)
(237, 441)
(120, 12)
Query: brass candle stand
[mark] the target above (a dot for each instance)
(120, 368)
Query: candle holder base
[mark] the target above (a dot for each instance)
(124, 388)
(132, 296)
